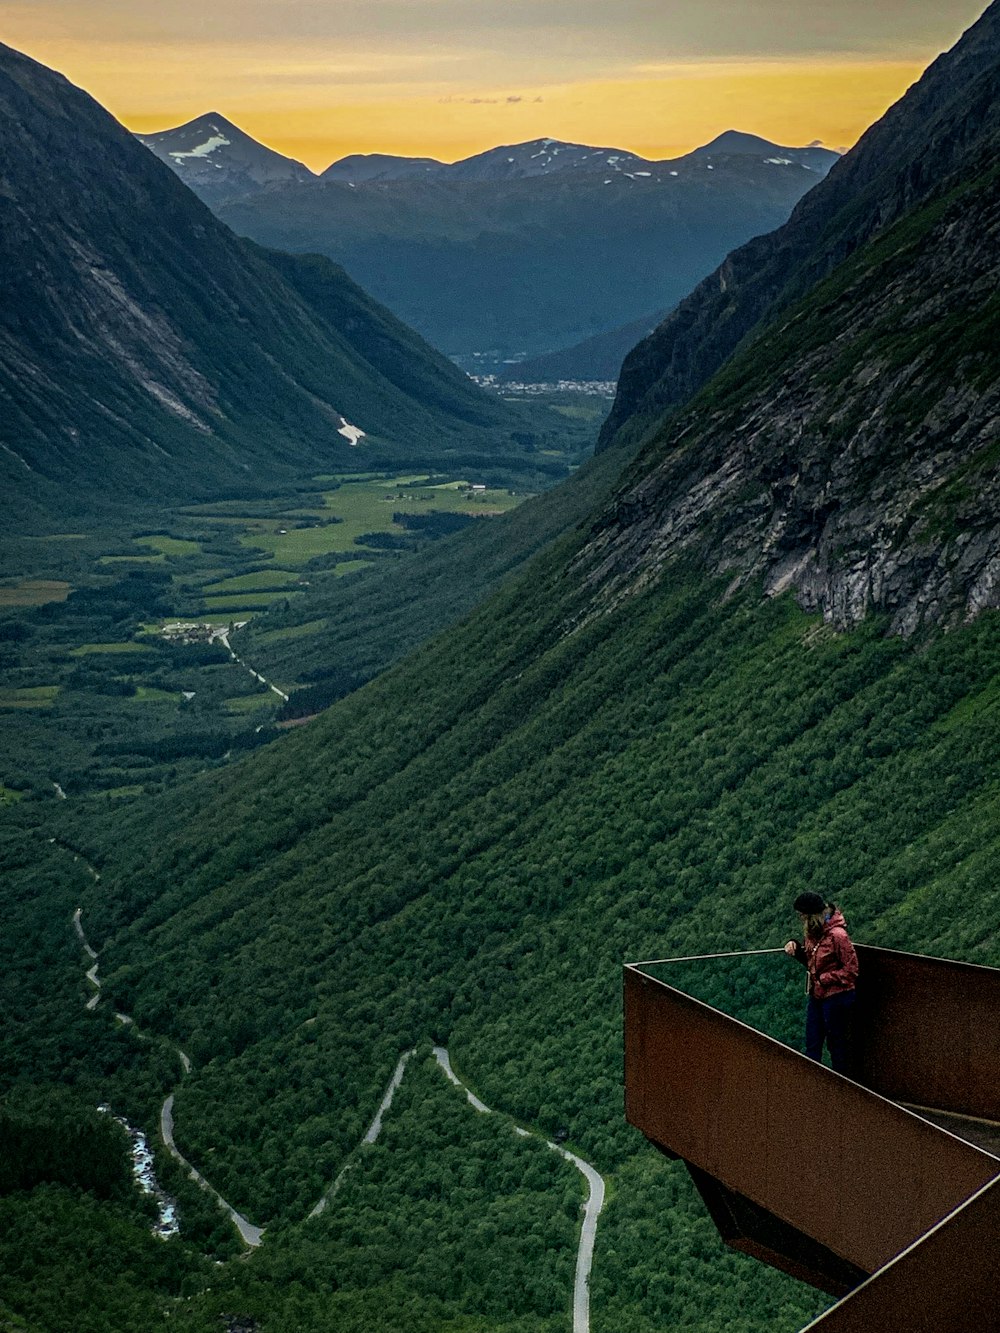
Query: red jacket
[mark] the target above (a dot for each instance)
(831, 960)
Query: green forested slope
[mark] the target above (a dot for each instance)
(625, 753)
(468, 849)
(148, 354)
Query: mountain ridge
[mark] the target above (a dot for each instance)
(145, 344)
(900, 160)
(230, 161)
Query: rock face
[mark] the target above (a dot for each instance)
(853, 453)
(943, 122)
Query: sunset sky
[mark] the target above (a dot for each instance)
(317, 79)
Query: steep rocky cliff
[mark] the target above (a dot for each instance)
(853, 452)
(949, 118)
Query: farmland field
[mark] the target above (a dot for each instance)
(34, 592)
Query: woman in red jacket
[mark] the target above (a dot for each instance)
(829, 957)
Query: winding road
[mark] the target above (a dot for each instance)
(592, 1208)
(253, 1234)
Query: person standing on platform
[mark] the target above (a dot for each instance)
(829, 958)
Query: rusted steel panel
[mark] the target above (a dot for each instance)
(859, 1174)
(928, 1031)
(755, 1231)
(945, 1283)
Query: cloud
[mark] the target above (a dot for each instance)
(511, 100)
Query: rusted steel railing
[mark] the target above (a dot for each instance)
(946, 1282)
(806, 1169)
(928, 1031)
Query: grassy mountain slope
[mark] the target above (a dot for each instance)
(467, 850)
(615, 757)
(147, 353)
(947, 119)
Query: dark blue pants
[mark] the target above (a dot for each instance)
(830, 1021)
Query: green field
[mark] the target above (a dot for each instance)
(366, 505)
(34, 592)
(169, 545)
(88, 649)
(303, 631)
(257, 602)
(131, 560)
(250, 703)
(149, 694)
(261, 580)
(35, 696)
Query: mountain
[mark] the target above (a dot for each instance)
(849, 452)
(146, 353)
(536, 157)
(814, 156)
(904, 158)
(380, 167)
(598, 358)
(218, 160)
(544, 157)
(730, 681)
(508, 266)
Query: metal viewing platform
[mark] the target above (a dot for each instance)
(884, 1191)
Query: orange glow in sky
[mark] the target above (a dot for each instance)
(655, 116)
(384, 85)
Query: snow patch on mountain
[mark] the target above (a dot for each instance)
(203, 149)
(352, 434)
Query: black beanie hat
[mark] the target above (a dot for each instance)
(809, 904)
